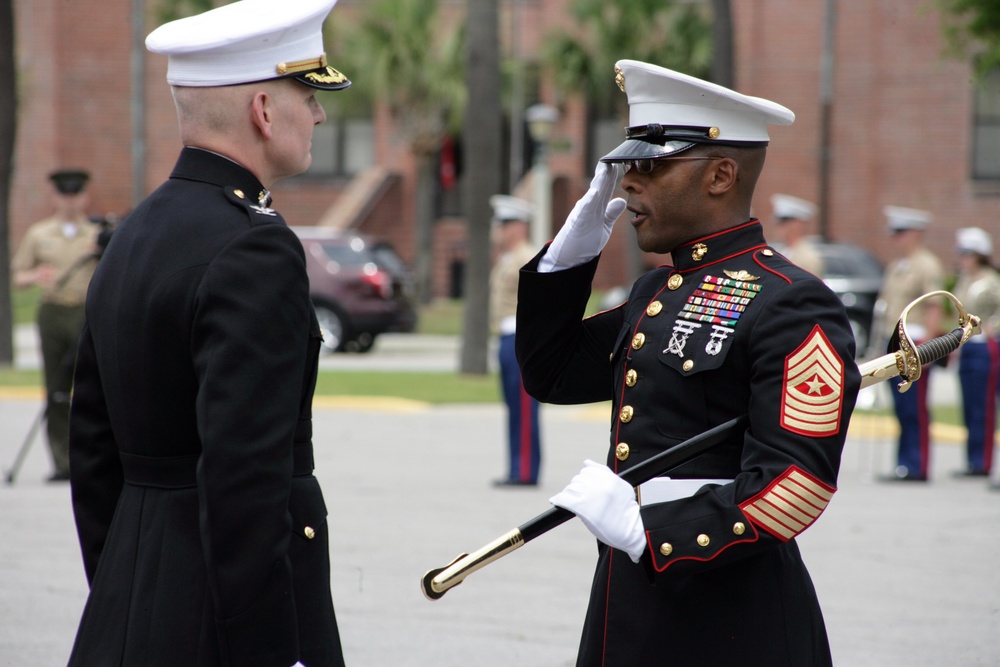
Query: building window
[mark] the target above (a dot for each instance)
(986, 128)
(342, 147)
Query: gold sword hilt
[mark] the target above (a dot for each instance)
(908, 358)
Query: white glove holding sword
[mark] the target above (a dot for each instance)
(588, 225)
(606, 505)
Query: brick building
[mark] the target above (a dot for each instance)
(908, 127)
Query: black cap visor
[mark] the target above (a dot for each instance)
(639, 149)
(324, 78)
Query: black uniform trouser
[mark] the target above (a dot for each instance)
(59, 331)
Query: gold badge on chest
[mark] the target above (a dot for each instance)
(741, 275)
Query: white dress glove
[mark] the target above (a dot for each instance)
(606, 505)
(588, 225)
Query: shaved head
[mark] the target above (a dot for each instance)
(751, 164)
(211, 111)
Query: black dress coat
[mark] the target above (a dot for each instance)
(203, 530)
(732, 329)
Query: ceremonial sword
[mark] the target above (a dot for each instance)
(905, 359)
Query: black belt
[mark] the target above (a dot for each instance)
(178, 472)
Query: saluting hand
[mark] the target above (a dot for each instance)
(588, 225)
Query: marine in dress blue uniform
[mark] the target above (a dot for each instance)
(512, 217)
(701, 568)
(915, 272)
(202, 527)
(978, 288)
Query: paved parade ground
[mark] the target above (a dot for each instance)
(907, 574)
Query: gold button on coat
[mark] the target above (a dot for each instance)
(666, 548)
(621, 451)
(739, 528)
(638, 340)
(675, 281)
(239, 193)
(688, 365)
(631, 378)
(767, 252)
(309, 532)
(703, 540)
(626, 414)
(654, 309)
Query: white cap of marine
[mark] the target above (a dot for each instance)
(669, 112)
(900, 218)
(249, 41)
(787, 207)
(507, 208)
(974, 240)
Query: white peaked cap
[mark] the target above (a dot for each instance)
(506, 208)
(787, 206)
(974, 239)
(249, 41)
(900, 218)
(669, 112)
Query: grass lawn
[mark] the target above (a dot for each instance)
(442, 317)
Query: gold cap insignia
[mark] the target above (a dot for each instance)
(329, 76)
(713, 133)
(741, 275)
(620, 78)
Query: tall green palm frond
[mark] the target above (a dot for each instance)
(665, 32)
(398, 55)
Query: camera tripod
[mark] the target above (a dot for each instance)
(22, 453)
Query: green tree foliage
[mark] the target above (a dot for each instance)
(666, 32)
(972, 27)
(401, 56)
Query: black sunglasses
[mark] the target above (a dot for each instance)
(646, 165)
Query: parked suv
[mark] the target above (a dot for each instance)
(359, 286)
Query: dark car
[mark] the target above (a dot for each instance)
(856, 277)
(359, 286)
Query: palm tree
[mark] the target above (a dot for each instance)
(482, 139)
(666, 32)
(416, 72)
(722, 42)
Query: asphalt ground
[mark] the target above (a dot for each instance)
(907, 574)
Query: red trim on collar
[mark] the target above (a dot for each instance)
(748, 223)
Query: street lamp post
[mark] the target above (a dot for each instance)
(541, 118)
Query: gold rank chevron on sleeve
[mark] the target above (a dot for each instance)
(790, 504)
(813, 392)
